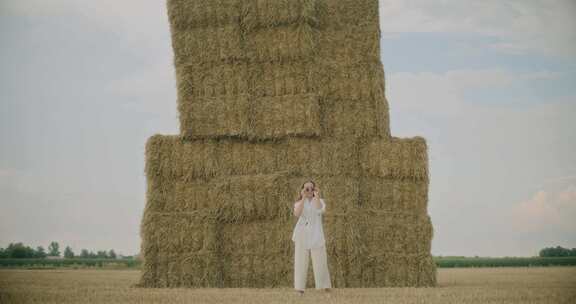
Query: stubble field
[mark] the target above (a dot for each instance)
(455, 285)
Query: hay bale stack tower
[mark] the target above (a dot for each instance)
(271, 93)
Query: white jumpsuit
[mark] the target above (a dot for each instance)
(308, 237)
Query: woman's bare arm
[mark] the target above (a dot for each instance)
(316, 202)
(320, 206)
(298, 206)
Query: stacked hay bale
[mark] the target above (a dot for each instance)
(272, 93)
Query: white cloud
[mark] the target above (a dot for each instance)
(7, 173)
(560, 179)
(8, 178)
(485, 78)
(547, 211)
(422, 92)
(143, 25)
(444, 92)
(136, 20)
(547, 27)
(520, 26)
(151, 89)
(34, 8)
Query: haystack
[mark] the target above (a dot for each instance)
(272, 93)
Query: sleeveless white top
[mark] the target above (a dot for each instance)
(309, 228)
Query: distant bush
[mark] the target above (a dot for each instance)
(443, 262)
(74, 263)
(557, 252)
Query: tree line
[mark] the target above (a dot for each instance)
(557, 251)
(19, 250)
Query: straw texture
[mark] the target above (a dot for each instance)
(271, 93)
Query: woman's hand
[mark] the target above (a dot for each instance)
(299, 205)
(316, 199)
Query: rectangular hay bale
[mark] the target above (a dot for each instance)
(173, 157)
(351, 118)
(355, 81)
(281, 44)
(398, 158)
(251, 118)
(274, 78)
(324, 156)
(205, 80)
(398, 235)
(350, 44)
(279, 30)
(271, 13)
(186, 14)
(169, 233)
(203, 45)
(230, 199)
(287, 115)
(371, 235)
(353, 101)
(341, 13)
(394, 195)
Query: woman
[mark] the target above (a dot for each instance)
(308, 237)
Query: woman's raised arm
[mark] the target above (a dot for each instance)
(298, 206)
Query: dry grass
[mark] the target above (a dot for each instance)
(544, 285)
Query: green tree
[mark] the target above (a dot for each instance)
(84, 253)
(18, 250)
(112, 254)
(54, 249)
(68, 253)
(102, 254)
(40, 252)
(557, 251)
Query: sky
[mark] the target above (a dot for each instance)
(490, 84)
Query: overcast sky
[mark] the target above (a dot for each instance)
(489, 84)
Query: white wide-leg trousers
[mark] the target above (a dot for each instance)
(319, 266)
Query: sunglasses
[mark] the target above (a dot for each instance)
(308, 189)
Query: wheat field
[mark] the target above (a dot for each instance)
(455, 285)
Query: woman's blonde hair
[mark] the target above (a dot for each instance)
(302, 187)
